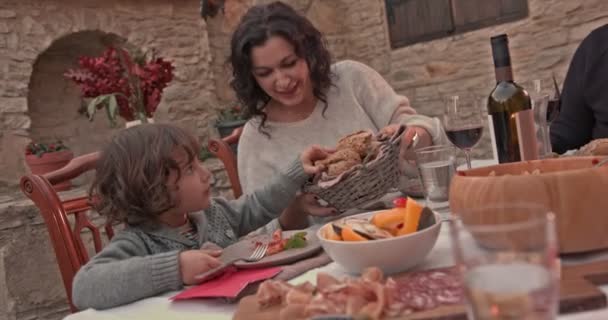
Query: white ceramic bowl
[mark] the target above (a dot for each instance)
(392, 255)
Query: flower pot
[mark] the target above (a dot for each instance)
(49, 162)
(225, 128)
(129, 124)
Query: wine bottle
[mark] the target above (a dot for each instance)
(505, 101)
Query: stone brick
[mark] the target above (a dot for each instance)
(13, 105)
(325, 16)
(579, 32)
(4, 14)
(4, 27)
(12, 41)
(32, 27)
(441, 68)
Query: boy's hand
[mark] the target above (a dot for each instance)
(313, 154)
(195, 262)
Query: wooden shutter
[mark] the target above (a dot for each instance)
(413, 21)
(476, 14)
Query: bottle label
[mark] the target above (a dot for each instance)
(493, 137)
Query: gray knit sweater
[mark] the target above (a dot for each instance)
(142, 261)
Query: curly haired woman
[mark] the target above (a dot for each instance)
(283, 75)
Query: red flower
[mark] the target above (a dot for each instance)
(111, 73)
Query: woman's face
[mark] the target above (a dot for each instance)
(283, 75)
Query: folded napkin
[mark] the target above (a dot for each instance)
(229, 285)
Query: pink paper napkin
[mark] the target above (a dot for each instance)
(228, 285)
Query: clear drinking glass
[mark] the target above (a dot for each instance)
(545, 111)
(436, 165)
(507, 256)
(463, 122)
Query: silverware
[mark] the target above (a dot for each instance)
(258, 253)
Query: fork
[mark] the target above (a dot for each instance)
(258, 253)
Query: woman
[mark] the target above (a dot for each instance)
(282, 74)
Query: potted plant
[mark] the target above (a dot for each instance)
(229, 119)
(125, 84)
(42, 158)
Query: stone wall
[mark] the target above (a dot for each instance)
(39, 40)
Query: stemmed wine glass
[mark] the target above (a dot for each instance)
(463, 122)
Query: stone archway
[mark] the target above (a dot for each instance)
(54, 102)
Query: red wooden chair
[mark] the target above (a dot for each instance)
(222, 149)
(67, 242)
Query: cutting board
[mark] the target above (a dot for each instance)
(578, 292)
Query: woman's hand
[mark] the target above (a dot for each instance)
(424, 139)
(311, 155)
(195, 262)
(295, 216)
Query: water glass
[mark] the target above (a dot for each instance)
(507, 257)
(436, 165)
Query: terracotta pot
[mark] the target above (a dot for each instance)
(50, 162)
(570, 187)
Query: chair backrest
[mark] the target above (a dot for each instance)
(222, 149)
(67, 242)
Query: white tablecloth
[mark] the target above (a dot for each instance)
(162, 308)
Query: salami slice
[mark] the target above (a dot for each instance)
(429, 289)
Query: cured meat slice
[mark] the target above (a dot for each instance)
(428, 289)
(369, 295)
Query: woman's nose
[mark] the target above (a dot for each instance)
(281, 80)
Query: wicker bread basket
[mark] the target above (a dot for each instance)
(363, 183)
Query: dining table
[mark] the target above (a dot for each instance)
(163, 307)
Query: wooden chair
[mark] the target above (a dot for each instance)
(67, 242)
(222, 149)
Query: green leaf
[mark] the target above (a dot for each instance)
(297, 240)
(91, 108)
(112, 109)
(301, 234)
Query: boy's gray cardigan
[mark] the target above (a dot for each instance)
(142, 261)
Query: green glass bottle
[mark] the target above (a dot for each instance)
(505, 100)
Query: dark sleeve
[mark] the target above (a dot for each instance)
(574, 125)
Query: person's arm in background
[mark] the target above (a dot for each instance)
(574, 125)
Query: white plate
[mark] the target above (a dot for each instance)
(245, 247)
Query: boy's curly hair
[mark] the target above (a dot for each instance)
(259, 24)
(131, 177)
